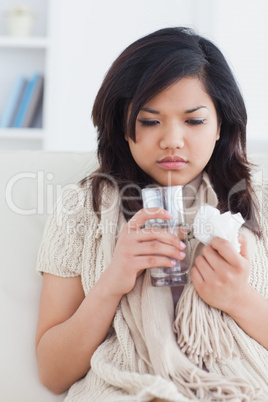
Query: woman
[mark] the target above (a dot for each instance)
(168, 112)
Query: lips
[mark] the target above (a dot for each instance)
(171, 158)
(172, 162)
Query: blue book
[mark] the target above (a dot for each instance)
(26, 100)
(35, 103)
(13, 101)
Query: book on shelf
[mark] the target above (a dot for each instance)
(13, 101)
(38, 117)
(30, 103)
(35, 104)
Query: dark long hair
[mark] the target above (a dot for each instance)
(143, 70)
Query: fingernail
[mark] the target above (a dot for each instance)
(173, 262)
(183, 245)
(182, 254)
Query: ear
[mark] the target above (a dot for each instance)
(126, 137)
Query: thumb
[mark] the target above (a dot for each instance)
(244, 246)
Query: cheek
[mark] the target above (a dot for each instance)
(201, 147)
(136, 151)
(143, 145)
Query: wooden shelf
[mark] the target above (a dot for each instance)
(22, 134)
(32, 42)
(24, 56)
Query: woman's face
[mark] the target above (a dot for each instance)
(176, 132)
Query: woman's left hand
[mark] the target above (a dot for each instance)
(220, 274)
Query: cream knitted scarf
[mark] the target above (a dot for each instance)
(152, 354)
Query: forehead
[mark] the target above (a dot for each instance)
(187, 93)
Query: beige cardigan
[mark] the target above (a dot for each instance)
(150, 353)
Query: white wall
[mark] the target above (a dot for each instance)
(86, 40)
(242, 34)
(40, 13)
(88, 35)
(15, 61)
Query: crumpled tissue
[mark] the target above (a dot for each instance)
(210, 223)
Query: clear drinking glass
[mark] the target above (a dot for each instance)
(171, 199)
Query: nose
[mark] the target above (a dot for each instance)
(172, 137)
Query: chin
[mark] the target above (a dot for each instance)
(174, 182)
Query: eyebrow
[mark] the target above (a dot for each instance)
(194, 109)
(147, 109)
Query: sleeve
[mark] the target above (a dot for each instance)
(261, 191)
(61, 249)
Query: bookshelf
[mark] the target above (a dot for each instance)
(14, 134)
(30, 43)
(24, 56)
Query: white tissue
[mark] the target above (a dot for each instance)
(209, 223)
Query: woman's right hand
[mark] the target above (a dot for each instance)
(138, 248)
(71, 325)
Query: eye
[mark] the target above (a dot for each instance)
(148, 123)
(195, 122)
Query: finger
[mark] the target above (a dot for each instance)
(153, 261)
(226, 250)
(143, 215)
(196, 277)
(157, 248)
(244, 246)
(212, 256)
(161, 235)
(203, 267)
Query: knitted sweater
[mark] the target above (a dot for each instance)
(152, 353)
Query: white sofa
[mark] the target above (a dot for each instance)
(30, 182)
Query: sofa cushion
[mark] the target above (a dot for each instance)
(32, 181)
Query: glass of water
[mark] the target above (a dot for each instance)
(171, 199)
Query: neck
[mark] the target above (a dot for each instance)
(190, 190)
